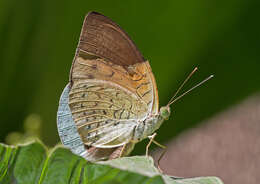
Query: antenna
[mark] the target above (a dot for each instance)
(178, 90)
(197, 85)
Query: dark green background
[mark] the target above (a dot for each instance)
(38, 39)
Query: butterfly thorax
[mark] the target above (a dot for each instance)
(151, 124)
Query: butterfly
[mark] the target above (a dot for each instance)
(111, 100)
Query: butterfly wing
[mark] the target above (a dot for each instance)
(104, 38)
(112, 86)
(70, 137)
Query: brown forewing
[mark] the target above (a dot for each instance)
(104, 38)
(137, 78)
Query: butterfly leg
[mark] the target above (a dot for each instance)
(162, 154)
(151, 137)
(122, 151)
(158, 144)
(117, 152)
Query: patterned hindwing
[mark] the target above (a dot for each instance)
(105, 113)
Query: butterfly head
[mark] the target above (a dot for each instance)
(165, 112)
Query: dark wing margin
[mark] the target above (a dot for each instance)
(102, 37)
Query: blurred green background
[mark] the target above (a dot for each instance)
(38, 39)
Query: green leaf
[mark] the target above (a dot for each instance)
(32, 163)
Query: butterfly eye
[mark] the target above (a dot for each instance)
(165, 112)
